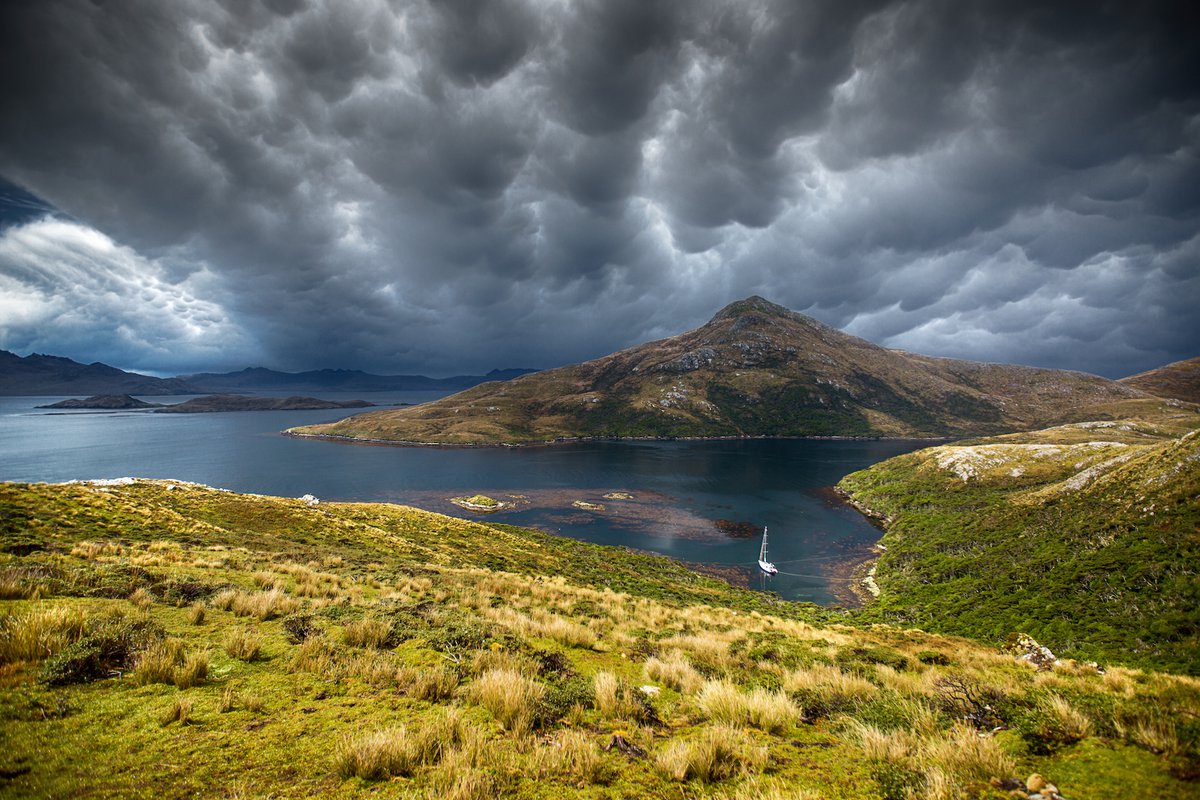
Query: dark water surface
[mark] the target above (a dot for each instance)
(679, 489)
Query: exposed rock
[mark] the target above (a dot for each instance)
(1026, 649)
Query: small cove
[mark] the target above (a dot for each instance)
(695, 501)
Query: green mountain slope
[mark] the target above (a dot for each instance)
(170, 640)
(1085, 536)
(756, 369)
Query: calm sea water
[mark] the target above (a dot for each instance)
(685, 497)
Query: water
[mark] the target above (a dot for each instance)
(679, 490)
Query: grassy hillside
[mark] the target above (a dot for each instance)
(1086, 536)
(756, 369)
(1180, 380)
(169, 640)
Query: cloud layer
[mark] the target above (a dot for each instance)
(450, 185)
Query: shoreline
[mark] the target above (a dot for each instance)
(330, 437)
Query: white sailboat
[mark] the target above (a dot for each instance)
(763, 564)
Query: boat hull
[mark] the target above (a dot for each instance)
(768, 567)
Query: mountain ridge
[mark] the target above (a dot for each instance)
(40, 374)
(754, 369)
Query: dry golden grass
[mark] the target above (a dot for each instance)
(766, 789)
(315, 654)
(142, 599)
(674, 671)
(157, 663)
(966, 756)
(431, 685)
(772, 712)
(193, 671)
(243, 644)
(196, 613)
(1071, 723)
(615, 698)
(572, 754)
(179, 711)
(399, 751)
(717, 753)
(40, 633)
(510, 696)
(828, 685)
(367, 632)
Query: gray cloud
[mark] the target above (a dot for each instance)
(444, 185)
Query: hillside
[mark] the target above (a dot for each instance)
(1180, 381)
(1086, 536)
(52, 375)
(756, 369)
(160, 639)
(213, 403)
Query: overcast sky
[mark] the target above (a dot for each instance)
(448, 186)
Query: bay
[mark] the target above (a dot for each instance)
(704, 502)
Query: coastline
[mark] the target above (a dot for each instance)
(578, 439)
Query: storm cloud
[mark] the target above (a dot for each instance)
(454, 185)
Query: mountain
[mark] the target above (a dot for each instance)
(756, 369)
(1179, 381)
(1082, 535)
(259, 379)
(165, 639)
(52, 375)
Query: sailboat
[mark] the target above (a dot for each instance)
(763, 564)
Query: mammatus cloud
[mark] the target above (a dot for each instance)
(449, 185)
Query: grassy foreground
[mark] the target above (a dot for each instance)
(170, 640)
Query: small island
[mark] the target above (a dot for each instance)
(237, 402)
(105, 402)
(480, 503)
(207, 404)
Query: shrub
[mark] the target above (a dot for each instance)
(717, 753)
(108, 645)
(299, 627)
(563, 697)
(858, 658)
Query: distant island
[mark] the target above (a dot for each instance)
(208, 404)
(105, 402)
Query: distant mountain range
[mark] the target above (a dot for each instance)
(53, 375)
(755, 369)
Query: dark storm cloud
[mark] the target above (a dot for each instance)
(444, 185)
